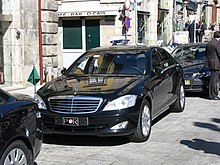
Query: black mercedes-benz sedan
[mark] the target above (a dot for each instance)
(192, 57)
(113, 91)
(20, 129)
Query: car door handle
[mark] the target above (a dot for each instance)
(166, 75)
(157, 82)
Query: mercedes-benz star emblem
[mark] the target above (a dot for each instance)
(75, 90)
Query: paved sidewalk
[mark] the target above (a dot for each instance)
(22, 89)
(188, 138)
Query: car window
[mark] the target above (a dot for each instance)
(1, 101)
(3, 97)
(190, 53)
(166, 58)
(200, 53)
(109, 63)
(156, 62)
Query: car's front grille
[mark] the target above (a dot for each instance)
(74, 104)
(188, 74)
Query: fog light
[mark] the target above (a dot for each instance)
(38, 114)
(121, 125)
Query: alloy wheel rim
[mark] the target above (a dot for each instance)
(146, 123)
(182, 96)
(16, 157)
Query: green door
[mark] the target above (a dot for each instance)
(92, 34)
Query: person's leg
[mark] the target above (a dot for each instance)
(201, 36)
(197, 37)
(191, 37)
(213, 91)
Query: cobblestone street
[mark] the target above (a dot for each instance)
(191, 137)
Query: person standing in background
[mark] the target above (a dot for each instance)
(187, 25)
(212, 26)
(213, 63)
(200, 31)
(191, 30)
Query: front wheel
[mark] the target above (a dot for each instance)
(143, 130)
(179, 104)
(16, 153)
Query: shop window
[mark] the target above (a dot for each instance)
(72, 34)
(141, 28)
(162, 25)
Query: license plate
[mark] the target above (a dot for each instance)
(187, 82)
(73, 121)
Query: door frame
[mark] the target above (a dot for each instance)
(75, 53)
(91, 26)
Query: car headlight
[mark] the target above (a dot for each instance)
(205, 74)
(121, 103)
(40, 102)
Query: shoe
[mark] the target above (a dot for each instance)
(215, 98)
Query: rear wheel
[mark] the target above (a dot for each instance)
(143, 130)
(179, 104)
(16, 153)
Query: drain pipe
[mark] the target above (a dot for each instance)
(40, 42)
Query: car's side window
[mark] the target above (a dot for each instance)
(1, 101)
(156, 62)
(3, 97)
(200, 53)
(165, 58)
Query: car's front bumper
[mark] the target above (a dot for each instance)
(38, 138)
(196, 85)
(99, 124)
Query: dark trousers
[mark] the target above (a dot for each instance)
(191, 37)
(201, 34)
(199, 37)
(213, 91)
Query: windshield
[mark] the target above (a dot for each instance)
(190, 53)
(109, 63)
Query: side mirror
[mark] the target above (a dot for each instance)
(158, 70)
(63, 70)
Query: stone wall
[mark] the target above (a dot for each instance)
(50, 38)
(20, 39)
(20, 42)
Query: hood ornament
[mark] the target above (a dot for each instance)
(75, 90)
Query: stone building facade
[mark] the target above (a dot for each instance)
(52, 57)
(51, 34)
(21, 44)
(19, 39)
(82, 22)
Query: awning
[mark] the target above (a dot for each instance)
(5, 17)
(144, 13)
(164, 10)
(87, 13)
(192, 6)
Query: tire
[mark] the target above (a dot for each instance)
(179, 104)
(16, 153)
(143, 130)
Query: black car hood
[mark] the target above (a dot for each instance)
(22, 97)
(89, 85)
(198, 69)
(188, 63)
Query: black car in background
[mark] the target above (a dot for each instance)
(192, 57)
(20, 129)
(113, 91)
